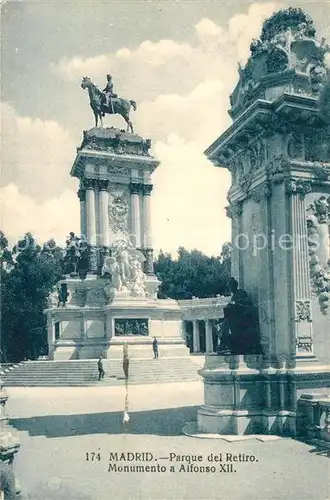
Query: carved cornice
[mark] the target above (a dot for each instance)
(146, 189)
(135, 187)
(297, 186)
(245, 182)
(116, 141)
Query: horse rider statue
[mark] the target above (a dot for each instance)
(109, 93)
(107, 102)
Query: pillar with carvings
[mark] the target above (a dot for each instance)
(303, 338)
(135, 190)
(103, 212)
(147, 235)
(234, 211)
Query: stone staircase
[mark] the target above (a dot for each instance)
(85, 372)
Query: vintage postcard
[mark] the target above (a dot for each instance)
(165, 250)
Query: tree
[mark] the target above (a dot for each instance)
(24, 290)
(192, 274)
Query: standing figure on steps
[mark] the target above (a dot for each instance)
(100, 368)
(155, 348)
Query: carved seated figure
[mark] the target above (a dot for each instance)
(239, 333)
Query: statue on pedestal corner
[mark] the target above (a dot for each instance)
(239, 333)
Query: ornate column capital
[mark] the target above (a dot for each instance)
(81, 194)
(135, 187)
(103, 185)
(90, 183)
(146, 189)
(297, 186)
(234, 209)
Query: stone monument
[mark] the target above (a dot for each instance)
(278, 153)
(9, 446)
(109, 294)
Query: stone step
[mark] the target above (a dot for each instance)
(84, 372)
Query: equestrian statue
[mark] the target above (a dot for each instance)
(107, 102)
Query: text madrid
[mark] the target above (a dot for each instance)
(176, 457)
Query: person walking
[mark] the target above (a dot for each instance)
(100, 368)
(155, 348)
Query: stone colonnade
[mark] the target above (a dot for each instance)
(94, 204)
(202, 330)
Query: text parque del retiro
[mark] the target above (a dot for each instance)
(182, 458)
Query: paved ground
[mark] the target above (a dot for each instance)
(59, 426)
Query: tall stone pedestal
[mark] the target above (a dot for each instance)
(96, 320)
(278, 153)
(242, 396)
(116, 299)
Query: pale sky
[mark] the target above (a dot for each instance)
(178, 60)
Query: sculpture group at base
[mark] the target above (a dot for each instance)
(239, 332)
(125, 268)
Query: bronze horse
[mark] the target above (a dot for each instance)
(116, 106)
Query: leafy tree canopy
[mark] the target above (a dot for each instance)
(193, 274)
(28, 273)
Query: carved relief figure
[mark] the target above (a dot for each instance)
(318, 228)
(118, 213)
(111, 267)
(138, 279)
(53, 298)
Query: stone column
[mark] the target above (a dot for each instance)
(196, 342)
(103, 211)
(300, 268)
(208, 336)
(50, 334)
(108, 326)
(82, 198)
(90, 212)
(135, 188)
(91, 223)
(147, 236)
